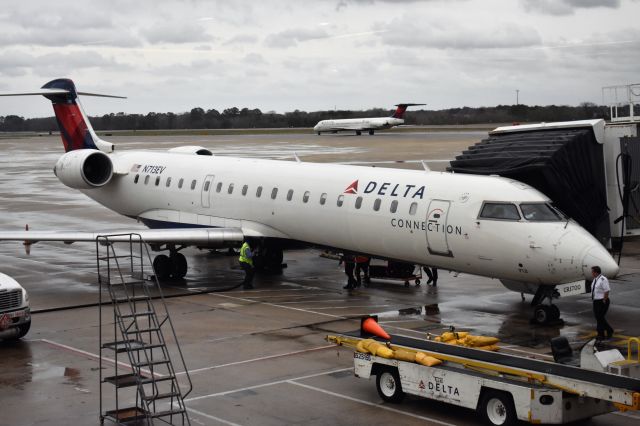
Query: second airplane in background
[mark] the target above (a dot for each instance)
(363, 124)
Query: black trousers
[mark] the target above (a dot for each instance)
(348, 270)
(600, 308)
(248, 275)
(432, 273)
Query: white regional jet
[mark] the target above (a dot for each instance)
(189, 197)
(363, 124)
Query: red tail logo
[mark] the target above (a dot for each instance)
(353, 188)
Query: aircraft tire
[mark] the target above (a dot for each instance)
(178, 266)
(371, 132)
(358, 132)
(318, 133)
(542, 314)
(162, 267)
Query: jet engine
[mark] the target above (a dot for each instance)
(84, 169)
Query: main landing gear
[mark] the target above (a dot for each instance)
(545, 313)
(268, 259)
(173, 266)
(371, 132)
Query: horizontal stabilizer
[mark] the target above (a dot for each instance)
(408, 105)
(45, 92)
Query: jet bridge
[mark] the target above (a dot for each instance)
(590, 169)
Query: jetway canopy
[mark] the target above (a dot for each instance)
(565, 163)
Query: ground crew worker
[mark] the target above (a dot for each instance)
(600, 296)
(246, 262)
(349, 266)
(432, 273)
(362, 265)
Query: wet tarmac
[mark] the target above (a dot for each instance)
(256, 357)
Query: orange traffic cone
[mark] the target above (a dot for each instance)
(370, 326)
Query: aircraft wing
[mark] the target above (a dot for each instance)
(205, 237)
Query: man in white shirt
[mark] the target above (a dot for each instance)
(600, 296)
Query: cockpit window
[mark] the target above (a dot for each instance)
(503, 211)
(540, 212)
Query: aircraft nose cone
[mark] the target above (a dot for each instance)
(599, 256)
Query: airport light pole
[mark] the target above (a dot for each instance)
(517, 97)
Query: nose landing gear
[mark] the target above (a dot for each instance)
(545, 314)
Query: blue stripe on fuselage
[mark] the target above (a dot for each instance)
(161, 224)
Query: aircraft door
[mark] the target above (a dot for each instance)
(437, 228)
(207, 187)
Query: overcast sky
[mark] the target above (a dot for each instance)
(284, 55)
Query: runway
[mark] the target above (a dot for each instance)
(256, 357)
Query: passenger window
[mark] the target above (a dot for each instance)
(358, 202)
(394, 206)
(193, 184)
(274, 193)
(340, 200)
(323, 199)
(168, 182)
(230, 190)
(290, 195)
(305, 197)
(135, 179)
(180, 182)
(259, 192)
(503, 211)
(376, 204)
(245, 189)
(157, 180)
(540, 212)
(146, 179)
(219, 187)
(413, 208)
(206, 186)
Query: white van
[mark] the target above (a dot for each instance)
(15, 315)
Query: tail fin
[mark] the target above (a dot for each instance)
(74, 125)
(401, 109)
(75, 128)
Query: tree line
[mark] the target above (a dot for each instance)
(245, 118)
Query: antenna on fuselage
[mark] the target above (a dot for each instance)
(424, 166)
(296, 157)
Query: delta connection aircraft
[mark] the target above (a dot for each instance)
(363, 124)
(483, 225)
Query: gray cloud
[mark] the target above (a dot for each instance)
(415, 32)
(566, 7)
(291, 38)
(242, 39)
(172, 32)
(16, 63)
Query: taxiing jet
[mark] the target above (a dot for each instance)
(360, 125)
(483, 225)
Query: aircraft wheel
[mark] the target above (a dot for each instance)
(389, 386)
(417, 283)
(178, 266)
(554, 312)
(542, 314)
(371, 132)
(496, 408)
(318, 133)
(162, 267)
(358, 132)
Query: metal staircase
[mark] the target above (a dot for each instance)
(140, 322)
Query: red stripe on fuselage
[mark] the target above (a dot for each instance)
(73, 129)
